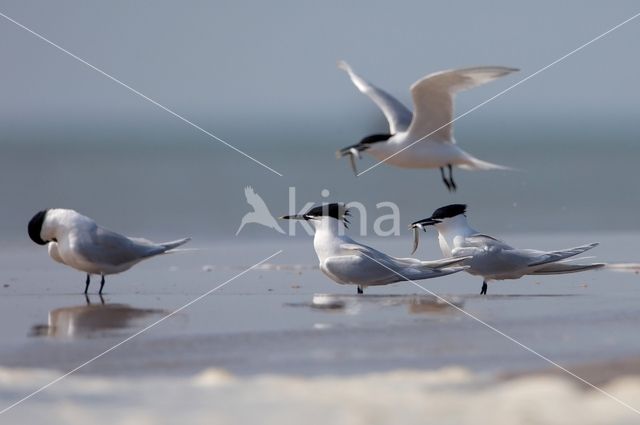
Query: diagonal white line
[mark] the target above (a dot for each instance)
(147, 98)
(480, 105)
(510, 338)
(157, 322)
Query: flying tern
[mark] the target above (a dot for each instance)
(78, 242)
(424, 138)
(345, 261)
(491, 258)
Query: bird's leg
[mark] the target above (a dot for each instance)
(86, 298)
(101, 285)
(360, 289)
(444, 179)
(484, 288)
(86, 288)
(453, 184)
(101, 299)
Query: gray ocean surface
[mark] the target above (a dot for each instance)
(165, 179)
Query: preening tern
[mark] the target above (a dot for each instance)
(78, 242)
(345, 261)
(423, 139)
(491, 258)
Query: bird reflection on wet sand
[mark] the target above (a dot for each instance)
(417, 304)
(92, 320)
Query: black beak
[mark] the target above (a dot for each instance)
(424, 222)
(294, 217)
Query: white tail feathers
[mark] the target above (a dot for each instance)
(476, 164)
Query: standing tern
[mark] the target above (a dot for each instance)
(345, 261)
(491, 258)
(423, 139)
(78, 242)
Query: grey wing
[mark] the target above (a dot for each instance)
(483, 241)
(110, 248)
(553, 256)
(406, 268)
(358, 269)
(380, 257)
(397, 114)
(395, 262)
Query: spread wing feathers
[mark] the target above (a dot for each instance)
(555, 256)
(397, 114)
(110, 248)
(433, 99)
(561, 268)
(254, 200)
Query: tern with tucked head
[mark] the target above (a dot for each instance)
(491, 258)
(78, 242)
(345, 261)
(424, 138)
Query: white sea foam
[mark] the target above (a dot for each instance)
(446, 396)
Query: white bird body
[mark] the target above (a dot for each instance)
(346, 261)
(79, 242)
(425, 155)
(493, 259)
(424, 138)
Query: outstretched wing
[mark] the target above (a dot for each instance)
(397, 114)
(433, 99)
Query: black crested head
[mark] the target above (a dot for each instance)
(35, 227)
(335, 210)
(449, 211)
(375, 138)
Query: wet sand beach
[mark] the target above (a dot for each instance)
(285, 327)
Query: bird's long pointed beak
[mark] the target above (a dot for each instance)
(293, 217)
(424, 222)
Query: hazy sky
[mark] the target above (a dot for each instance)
(225, 63)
